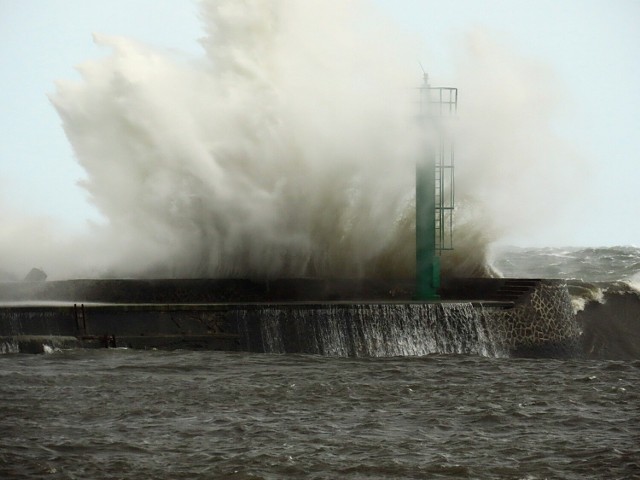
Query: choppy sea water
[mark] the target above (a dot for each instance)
(121, 413)
(172, 415)
(602, 264)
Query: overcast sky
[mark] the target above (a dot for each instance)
(592, 46)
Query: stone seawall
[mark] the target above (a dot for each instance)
(541, 324)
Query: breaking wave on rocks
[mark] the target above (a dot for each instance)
(604, 286)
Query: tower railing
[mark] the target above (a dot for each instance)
(438, 103)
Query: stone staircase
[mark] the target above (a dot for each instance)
(509, 291)
(515, 289)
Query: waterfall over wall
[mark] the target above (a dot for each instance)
(375, 330)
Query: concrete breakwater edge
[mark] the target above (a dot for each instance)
(489, 317)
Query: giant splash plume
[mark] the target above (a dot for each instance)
(284, 151)
(289, 148)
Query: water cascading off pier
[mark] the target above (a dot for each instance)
(375, 330)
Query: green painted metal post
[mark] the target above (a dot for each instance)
(427, 259)
(434, 188)
(427, 262)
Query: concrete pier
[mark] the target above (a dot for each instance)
(521, 316)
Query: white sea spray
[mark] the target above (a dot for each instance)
(288, 149)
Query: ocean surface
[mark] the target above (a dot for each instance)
(118, 413)
(606, 264)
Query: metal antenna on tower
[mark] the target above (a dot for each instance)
(425, 76)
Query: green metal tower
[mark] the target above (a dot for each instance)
(434, 188)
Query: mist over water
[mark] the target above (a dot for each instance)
(289, 149)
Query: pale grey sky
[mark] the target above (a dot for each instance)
(592, 46)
